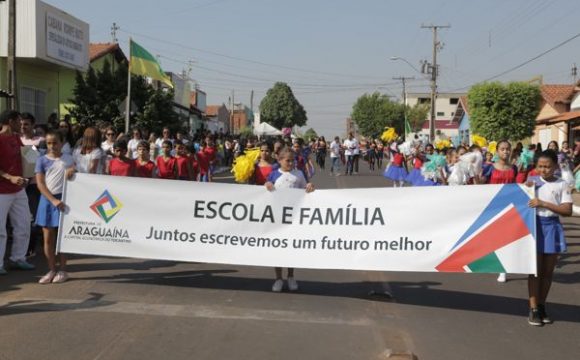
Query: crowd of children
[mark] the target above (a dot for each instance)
(549, 172)
(286, 163)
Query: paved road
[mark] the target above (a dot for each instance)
(133, 309)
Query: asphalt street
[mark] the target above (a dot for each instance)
(118, 308)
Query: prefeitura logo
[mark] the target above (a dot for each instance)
(106, 206)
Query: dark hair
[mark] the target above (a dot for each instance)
(474, 147)
(57, 134)
(554, 142)
(28, 116)
(144, 144)
(268, 144)
(177, 142)
(167, 142)
(285, 151)
(549, 154)
(8, 115)
(503, 141)
(120, 144)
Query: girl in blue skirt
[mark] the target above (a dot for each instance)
(553, 199)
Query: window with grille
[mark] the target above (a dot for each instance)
(34, 102)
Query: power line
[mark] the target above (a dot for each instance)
(246, 60)
(527, 61)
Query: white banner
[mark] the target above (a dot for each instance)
(484, 228)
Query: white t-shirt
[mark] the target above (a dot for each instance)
(132, 148)
(349, 146)
(334, 149)
(293, 179)
(555, 192)
(83, 162)
(54, 170)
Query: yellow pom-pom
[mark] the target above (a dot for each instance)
(389, 135)
(442, 144)
(244, 165)
(479, 140)
(491, 147)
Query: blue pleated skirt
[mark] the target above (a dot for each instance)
(550, 235)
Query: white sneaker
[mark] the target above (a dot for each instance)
(502, 278)
(60, 277)
(47, 278)
(292, 284)
(278, 285)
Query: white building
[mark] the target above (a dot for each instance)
(445, 107)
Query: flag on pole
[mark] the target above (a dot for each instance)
(408, 129)
(145, 64)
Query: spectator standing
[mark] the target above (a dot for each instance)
(13, 199)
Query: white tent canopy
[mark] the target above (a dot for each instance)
(265, 129)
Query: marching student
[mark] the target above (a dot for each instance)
(193, 163)
(166, 164)
(144, 167)
(553, 199)
(51, 170)
(120, 164)
(501, 172)
(182, 162)
(396, 170)
(264, 166)
(286, 177)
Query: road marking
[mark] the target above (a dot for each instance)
(190, 311)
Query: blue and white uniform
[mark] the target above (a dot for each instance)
(54, 170)
(293, 179)
(550, 233)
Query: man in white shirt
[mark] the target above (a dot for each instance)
(350, 145)
(335, 156)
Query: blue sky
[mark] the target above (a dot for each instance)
(331, 52)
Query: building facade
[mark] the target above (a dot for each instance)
(52, 45)
(445, 106)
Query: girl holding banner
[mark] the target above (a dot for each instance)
(553, 199)
(286, 177)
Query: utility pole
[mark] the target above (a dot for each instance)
(252, 101)
(232, 113)
(433, 70)
(11, 59)
(114, 29)
(574, 72)
(404, 81)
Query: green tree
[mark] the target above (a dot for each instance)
(372, 113)
(98, 95)
(281, 109)
(504, 111)
(158, 112)
(417, 115)
(309, 134)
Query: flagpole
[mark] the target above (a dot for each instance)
(128, 104)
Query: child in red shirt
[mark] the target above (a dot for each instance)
(182, 162)
(203, 163)
(193, 163)
(144, 167)
(166, 164)
(120, 165)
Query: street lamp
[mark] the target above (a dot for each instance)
(395, 58)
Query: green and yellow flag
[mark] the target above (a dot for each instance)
(145, 64)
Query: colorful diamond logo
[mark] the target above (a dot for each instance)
(106, 206)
